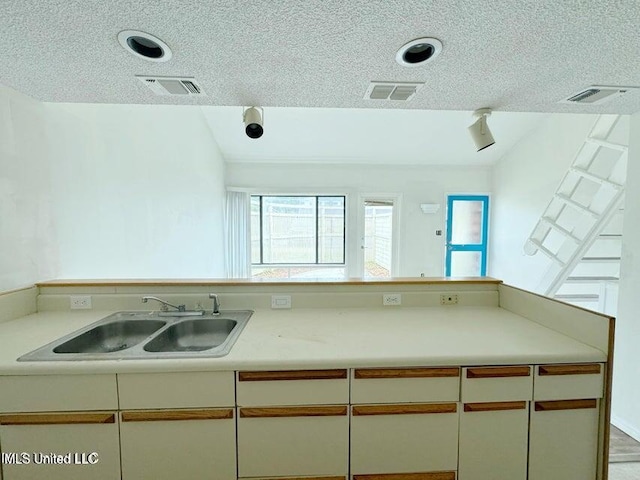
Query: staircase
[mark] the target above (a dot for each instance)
(580, 231)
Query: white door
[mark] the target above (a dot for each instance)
(378, 236)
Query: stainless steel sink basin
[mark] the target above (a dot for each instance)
(192, 335)
(139, 335)
(111, 337)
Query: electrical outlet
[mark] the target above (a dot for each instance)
(280, 301)
(80, 302)
(391, 299)
(449, 299)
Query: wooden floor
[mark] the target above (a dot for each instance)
(623, 448)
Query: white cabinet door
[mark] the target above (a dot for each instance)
(293, 441)
(61, 446)
(563, 440)
(172, 444)
(493, 441)
(404, 438)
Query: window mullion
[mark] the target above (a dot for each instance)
(317, 214)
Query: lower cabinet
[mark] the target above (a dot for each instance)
(563, 440)
(493, 441)
(293, 441)
(404, 438)
(60, 446)
(171, 444)
(494, 422)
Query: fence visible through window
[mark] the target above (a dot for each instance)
(298, 236)
(378, 231)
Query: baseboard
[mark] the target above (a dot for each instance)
(625, 427)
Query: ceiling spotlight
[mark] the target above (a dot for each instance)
(418, 52)
(144, 45)
(480, 132)
(253, 122)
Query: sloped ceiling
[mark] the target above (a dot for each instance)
(511, 55)
(357, 136)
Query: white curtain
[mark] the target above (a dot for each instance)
(238, 235)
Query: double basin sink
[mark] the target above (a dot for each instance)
(139, 335)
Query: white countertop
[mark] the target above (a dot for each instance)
(324, 338)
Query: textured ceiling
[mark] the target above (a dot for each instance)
(512, 55)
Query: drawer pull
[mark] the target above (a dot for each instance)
(408, 476)
(407, 409)
(58, 418)
(292, 375)
(565, 405)
(429, 372)
(494, 406)
(498, 372)
(173, 415)
(310, 478)
(588, 369)
(333, 411)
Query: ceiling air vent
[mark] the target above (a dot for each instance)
(596, 95)
(402, 91)
(172, 85)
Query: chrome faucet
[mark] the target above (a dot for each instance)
(165, 305)
(216, 304)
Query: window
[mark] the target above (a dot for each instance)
(298, 236)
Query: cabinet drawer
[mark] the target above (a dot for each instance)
(398, 385)
(176, 390)
(406, 438)
(569, 381)
(292, 387)
(62, 393)
(293, 441)
(497, 384)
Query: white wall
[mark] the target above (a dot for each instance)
(420, 250)
(626, 380)
(28, 249)
(138, 192)
(524, 181)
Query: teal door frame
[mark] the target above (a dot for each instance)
(480, 247)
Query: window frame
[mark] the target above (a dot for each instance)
(305, 264)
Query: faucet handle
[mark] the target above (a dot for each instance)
(216, 304)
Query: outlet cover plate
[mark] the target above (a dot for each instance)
(280, 301)
(449, 299)
(391, 299)
(80, 302)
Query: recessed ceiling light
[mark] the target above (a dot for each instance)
(418, 52)
(144, 45)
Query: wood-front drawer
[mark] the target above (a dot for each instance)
(60, 393)
(292, 387)
(176, 390)
(400, 385)
(497, 384)
(568, 381)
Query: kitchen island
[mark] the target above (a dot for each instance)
(501, 384)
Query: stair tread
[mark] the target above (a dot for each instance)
(577, 296)
(600, 258)
(593, 278)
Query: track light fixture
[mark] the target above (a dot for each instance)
(253, 122)
(480, 132)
